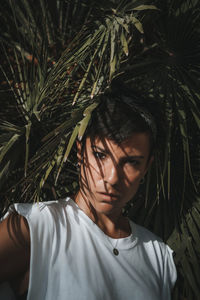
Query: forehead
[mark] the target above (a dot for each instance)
(135, 144)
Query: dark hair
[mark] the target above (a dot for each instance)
(120, 113)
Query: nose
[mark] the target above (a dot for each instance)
(112, 174)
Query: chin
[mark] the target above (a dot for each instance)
(106, 208)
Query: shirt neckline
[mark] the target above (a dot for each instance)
(122, 243)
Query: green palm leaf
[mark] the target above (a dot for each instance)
(69, 54)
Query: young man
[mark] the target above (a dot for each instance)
(83, 247)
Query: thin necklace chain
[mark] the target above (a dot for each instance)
(115, 250)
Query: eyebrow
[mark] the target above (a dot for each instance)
(108, 152)
(100, 149)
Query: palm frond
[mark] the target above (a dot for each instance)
(57, 57)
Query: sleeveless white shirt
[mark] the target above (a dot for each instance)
(72, 258)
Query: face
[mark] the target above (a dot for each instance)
(111, 173)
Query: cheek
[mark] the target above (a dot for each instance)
(133, 176)
(132, 186)
(90, 174)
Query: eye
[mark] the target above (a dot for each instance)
(133, 162)
(99, 155)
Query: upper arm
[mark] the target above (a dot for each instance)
(14, 247)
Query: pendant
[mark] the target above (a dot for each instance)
(116, 251)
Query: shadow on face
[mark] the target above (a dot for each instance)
(111, 171)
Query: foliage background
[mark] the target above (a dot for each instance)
(56, 56)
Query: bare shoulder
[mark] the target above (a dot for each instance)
(14, 247)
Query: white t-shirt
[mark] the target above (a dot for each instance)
(72, 258)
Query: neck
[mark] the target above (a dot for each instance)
(114, 225)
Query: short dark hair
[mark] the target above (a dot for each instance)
(121, 112)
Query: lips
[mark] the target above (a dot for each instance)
(109, 194)
(109, 197)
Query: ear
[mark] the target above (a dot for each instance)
(79, 148)
(149, 164)
(150, 161)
